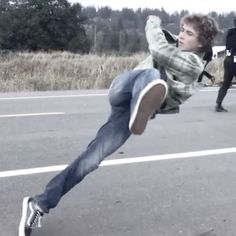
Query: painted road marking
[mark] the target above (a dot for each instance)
(32, 114)
(54, 96)
(213, 89)
(132, 160)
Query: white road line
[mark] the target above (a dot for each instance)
(211, 89)
(132, 160)
(32, 114)
(54, 96)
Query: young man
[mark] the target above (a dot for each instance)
(229, 67)
(135, 96)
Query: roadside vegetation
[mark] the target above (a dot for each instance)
(78, 41)
(69, 71)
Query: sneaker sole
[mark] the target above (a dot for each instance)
(21, 230)
(148, 102)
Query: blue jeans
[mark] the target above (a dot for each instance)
(123, 94)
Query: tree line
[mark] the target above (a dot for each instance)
(51, 25)
(42, 25)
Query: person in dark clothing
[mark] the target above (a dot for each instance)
(207, 58)
(229, 67)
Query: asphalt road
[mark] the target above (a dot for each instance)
(186, 188)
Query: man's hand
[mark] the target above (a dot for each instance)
(213, 79)
(154, 19)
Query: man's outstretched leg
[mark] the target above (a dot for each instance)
(108, 139)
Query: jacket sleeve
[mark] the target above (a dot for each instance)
(186, 66)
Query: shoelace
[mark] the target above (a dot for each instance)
(36, 221)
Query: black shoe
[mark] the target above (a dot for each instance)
(220, 109)
(149, 100)
(31, 217)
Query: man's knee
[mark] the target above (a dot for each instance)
(152, 73)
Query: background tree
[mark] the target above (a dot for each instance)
(123, 31)
(42, 25)
(59, 25)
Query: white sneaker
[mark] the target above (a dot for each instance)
(149, 101)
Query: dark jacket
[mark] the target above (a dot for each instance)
(231, 41)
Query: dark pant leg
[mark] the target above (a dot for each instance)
(228, 76)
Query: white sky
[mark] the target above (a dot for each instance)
(198, 6)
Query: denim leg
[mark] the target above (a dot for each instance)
(143, 80)
(129, 85)
(228, 77)
(121, 89)
(108, 139)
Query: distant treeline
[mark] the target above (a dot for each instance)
(49, 25)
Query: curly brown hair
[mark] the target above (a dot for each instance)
(205, 25)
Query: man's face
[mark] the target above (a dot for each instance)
(188, 38)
